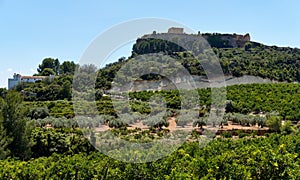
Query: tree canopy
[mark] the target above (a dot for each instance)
(49, 63)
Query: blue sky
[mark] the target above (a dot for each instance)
(32, 30)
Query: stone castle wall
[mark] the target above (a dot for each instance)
(232, 40)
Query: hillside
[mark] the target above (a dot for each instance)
(46, 134)
(276, 63)
(237, 54)
(281, 64)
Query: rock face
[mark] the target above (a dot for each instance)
(227, 40)
(242, 40)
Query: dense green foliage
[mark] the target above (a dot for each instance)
(70, 141)
(15, 131)
(50, 89)
(278, 63)
(283, 98)
(275, 157)
(52, 66)
(58, 88)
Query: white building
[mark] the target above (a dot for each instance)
(17, 78)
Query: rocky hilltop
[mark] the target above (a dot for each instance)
(217, 40)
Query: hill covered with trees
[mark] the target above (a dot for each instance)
(276, 63)
(41, 138)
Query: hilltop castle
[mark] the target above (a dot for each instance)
(214, 39)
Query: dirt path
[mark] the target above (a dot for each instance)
(173, 126)
(235, 126)
(138, 125)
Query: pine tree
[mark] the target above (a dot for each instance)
(15, 125)
(4, 142)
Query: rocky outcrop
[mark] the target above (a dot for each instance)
(227, 40)
(214, 39)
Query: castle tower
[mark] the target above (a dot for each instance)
(175, 30)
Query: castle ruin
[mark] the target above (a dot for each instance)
(214, 39)
(175, 30)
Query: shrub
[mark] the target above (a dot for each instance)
(226, 134)
(241, 135)
(39, 113)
